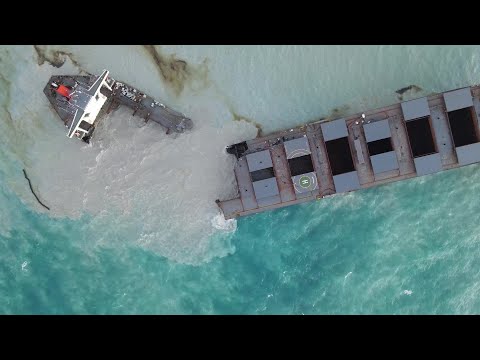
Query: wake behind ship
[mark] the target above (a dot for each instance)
(82, 101)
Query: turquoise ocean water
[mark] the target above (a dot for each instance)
(124, 239)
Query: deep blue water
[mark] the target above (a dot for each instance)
(355, 254)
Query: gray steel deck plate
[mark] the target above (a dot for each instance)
(297, 147)
(377, 130)
(335, 129)
(458, 99)
(428, 164)
(346, 182)
(384, 162)
(468, 154)
(415, 109)
(259, 160)
(265, 188)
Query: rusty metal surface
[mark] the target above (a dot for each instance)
(362, 162)
(142, 105)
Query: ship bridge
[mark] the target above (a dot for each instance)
(88, 103)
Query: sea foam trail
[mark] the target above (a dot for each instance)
(133, 179)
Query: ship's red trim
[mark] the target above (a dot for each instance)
(63, 90)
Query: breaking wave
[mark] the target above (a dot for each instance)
(156, 191)
(133, 179)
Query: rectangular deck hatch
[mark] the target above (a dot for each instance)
(335, 135)
(300, 165)
(378, 136)
(420, 137)
(298, 155)
(339, 156)
(380, 148)
(263, 178)
(262, 174)
(462, 127)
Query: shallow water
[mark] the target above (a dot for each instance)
(134, 227)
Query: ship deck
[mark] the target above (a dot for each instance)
(142, 104)
(353, 153)
(148, 108)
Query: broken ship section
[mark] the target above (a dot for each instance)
(74, 109)
(148, 108)
(413, 138)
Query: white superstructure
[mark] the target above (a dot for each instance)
(88, 102)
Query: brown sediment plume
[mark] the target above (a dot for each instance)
(7, 99)
(336, 113)
(237, 117)
(177, 73)
(11, 135)
(55, 58)
(339, 111)
(9, 118)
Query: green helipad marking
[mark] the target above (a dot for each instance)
(305, 181)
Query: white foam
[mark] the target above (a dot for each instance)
(219, 222)
(159, 189)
